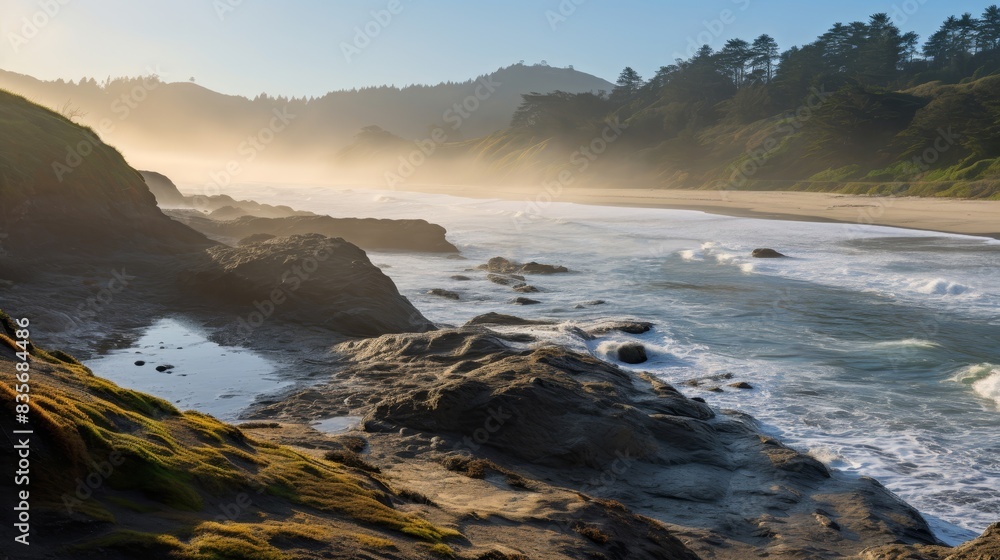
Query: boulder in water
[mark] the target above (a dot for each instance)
(503, 320)
(444, 293)
(500, 265)
(632, 353)
(630, 327)
(766, 254)
(538, 268)
(501, 279)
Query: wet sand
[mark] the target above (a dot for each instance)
(950, 215)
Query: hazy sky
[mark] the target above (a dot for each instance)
(309, 47)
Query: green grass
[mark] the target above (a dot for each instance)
(179, 460)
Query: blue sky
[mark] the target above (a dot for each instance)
(297, 47)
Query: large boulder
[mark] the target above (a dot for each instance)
(309, 279)
(632, 353)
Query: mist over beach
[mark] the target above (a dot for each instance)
(500, 281)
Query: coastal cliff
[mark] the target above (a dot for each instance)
(470, 443)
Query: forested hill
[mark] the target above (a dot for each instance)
(190, 132)
(865, 108)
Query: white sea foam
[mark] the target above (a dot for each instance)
(691, 255)
(687, 273)
(939, 287)
(907, 343)
(989, 387)
(984, 380)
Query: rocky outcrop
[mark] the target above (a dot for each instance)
(499, 319)
(500, 265)
(985, 547)
(632, 353)
(166, 192)
(573, 421)
(766, 254)
(630, 327)
(308, 279)
(448, 294)
(368, 233)
(119, 474)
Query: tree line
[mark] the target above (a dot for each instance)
(872, 54)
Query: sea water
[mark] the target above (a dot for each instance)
(201, 375)
(876, 350)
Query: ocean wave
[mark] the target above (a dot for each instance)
(829, 457)
(984, 379)
(907, 343)
(939, 287)
(691, 255)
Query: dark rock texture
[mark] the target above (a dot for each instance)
(500, 265)
(444, 293)
(367, 233)
(503, 320)
(310, 279)
(766, 254)
(566, 419)
(630, 327)
(986, 547)
(632, 353)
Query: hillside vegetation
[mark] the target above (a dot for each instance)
(863, 109)
(190, 132)
(61, 185)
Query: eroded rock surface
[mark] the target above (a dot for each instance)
(574, 421)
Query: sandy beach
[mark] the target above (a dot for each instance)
(970, 217)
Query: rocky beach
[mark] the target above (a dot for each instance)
(399, 437)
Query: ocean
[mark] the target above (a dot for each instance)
(874, 349)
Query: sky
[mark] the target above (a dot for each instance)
(309, 47)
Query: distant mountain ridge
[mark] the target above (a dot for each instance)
(200, 135)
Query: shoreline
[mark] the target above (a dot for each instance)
(943, 215)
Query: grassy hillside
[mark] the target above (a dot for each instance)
(932, 140)
(60, 183)
(858, 110)
(190, 132)
(118, 473)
